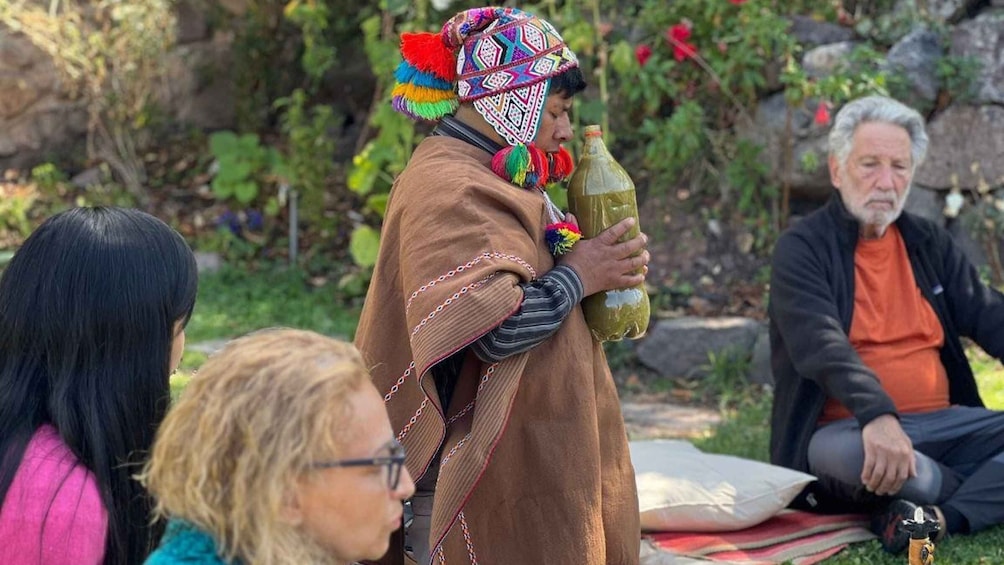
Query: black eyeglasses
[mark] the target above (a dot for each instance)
(393, 462)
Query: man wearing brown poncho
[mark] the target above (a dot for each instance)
(472, 327)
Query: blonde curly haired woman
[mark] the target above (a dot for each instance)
(279, 451)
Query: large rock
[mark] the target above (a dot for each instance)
(17, 52)
(193, 24)
(198, 89)
(939, 10)
(810, 32)
(826, 59)
(983, 39)
(808, 144)
(680, 347)
(926, 203)
(916, 58)
(39, 121)
(26, 75)
(966, 147)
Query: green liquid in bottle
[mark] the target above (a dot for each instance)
(600, 194)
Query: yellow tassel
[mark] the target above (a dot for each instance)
(422, 93)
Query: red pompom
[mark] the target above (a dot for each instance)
(426, 52)
(538, 165)
(561, 165)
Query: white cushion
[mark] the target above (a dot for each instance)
(681, 488)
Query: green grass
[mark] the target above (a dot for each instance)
(234, 301)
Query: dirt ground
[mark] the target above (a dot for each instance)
(698, 265)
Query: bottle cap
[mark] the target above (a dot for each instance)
(594, 131)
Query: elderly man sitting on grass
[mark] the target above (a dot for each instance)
(874, 394)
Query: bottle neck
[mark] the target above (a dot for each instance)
(594, 147)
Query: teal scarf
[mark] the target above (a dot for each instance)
(184, 543)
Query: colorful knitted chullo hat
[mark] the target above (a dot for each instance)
(501, 60)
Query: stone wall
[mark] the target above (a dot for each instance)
(966, 138)
(40, 122)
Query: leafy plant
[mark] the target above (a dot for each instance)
(243, 165)
(313, 17)
(756, 197)
(725, 377)
(958, 75)
(309, 160)
(16, 201)
(376, 165)
(48, 177)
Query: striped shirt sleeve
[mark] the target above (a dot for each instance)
(547, 301)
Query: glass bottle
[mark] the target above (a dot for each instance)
(600, 194)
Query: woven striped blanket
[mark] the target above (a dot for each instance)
(792, 536)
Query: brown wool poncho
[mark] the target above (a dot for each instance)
(534, 467)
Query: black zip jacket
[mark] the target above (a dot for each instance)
(810, 309)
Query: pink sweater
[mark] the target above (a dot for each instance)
(53, 514)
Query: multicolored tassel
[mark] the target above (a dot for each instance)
(426, 52)
(424, 88)
(561, 237)
(561, 165)
(526, 166)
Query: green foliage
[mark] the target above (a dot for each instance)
(228, 245)
(675, 143)
(385, 156)
(747, 176)
(725, 378)
(313, 16)
(309, 161)
(859, 75)
(809, 161)
(887, 28)
(700, 84)
(48, 177)
(234, 301)
(263, 69)
(244, 164)
(957, 75)
(744, 430)
(985, 221)
(364, 245)
(732, 45)
(15, 202)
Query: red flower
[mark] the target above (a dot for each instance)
(738, 2)
(822, 117)
(677, 36)
(642, 53)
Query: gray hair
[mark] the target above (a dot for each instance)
(877, 109)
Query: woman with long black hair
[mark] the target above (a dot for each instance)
(92, 315)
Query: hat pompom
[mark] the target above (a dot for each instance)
(523, 165)
(426, 52)
(424, 88)
(512, 163)
(561, 165)
(561, 236)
